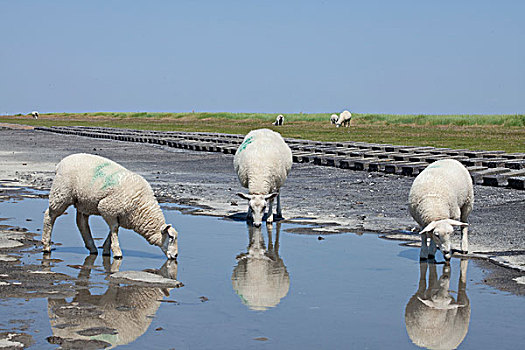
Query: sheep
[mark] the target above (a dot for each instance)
(334, 118)
(433, 318)
(440, 196)
(260, 277)
(344, 119)
(35, 114)
(279, 120)
(262, 162)
(98, 186)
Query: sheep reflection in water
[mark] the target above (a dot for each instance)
(260, 277)
(117, 317)
(434, 319)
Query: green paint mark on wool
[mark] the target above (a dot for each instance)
(245, 143)
(109, 180)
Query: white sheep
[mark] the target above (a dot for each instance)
(334, 118)
(262, 163)
(441, 196)
(35, 114)
(98, 186)
(279, 120)
(344, 119)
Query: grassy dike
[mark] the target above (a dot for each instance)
(487, 132)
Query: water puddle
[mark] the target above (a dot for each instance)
(252, 288)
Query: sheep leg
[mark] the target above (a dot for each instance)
(249, 215)
(115, 247)
(279, 209)
(113, 239)
(83, 227)
(464, 230)
(432, 249)
(423, 254)
(106, 247)
(269, 218)
(464, 239)
(50, 217)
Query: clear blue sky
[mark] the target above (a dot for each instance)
(420, 56)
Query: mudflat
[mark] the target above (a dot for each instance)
(332, 200)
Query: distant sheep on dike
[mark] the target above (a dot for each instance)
(344, 119)
(98, 186)
(439, 197)
(262, 162)
(35, 114)
(279, 120)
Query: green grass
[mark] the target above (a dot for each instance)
(487, 132)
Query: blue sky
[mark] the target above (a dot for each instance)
(372, 56)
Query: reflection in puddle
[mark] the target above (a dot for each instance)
(434, 319)
(260, 278)
(338, 300)
(117, 317)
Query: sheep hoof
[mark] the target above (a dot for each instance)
(422, 258)
(106, 254)
(93, 252)
(117, 257)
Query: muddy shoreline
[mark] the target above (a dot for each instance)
(322, 200)
(331, 200)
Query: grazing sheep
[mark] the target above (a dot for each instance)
(99, 186)
(344, 119)
(279, 120)
(260, 277)
(433, 318)
(334, 118)
(262, 163)
(440, 196)
(35, 114)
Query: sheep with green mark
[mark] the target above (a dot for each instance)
(262, 162)
(98, 186)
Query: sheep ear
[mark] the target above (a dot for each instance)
(166, 228)
(429, 227)
(166, 292)
(244, 196)
(270, 196)
(456, 223)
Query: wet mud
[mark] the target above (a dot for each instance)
(232, 272)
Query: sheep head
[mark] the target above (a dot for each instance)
(169, 242)
(440, 230)
(257, 206)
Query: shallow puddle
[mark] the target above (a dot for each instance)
(243, 289)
